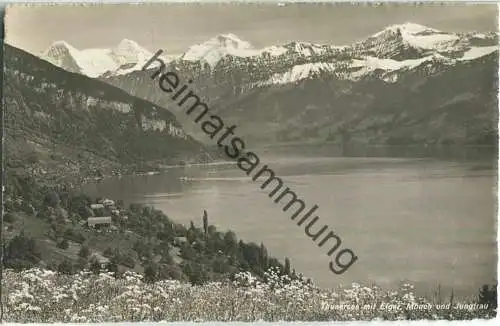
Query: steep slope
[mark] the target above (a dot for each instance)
(54, 113)
(61, 124)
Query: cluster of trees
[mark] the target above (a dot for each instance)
(160, 247)
(204, 253)
(21, 252)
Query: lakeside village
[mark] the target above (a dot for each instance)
(105, 212)
(104, 216)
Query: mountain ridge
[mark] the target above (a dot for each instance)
(122, 58)
(64, 120)
(341, 86)
(400, 41)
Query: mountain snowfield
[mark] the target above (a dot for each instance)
(216, 48)
(395, 48)
(382, 50)
(126, 57)
(406, 84)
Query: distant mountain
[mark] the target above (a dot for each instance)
(405, 84)
(401, 43)
(413, 41)
(221, 46)
(125, 57)
(57, 117)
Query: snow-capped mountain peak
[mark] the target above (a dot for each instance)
(410, 41)
(416, 36)
(128, 44)
(128, 52)
(391, 49)
(216, 48)
(59, 48)
(230, 40)
(129, 48)
(62, 54)
(124, 57)
(408, 28)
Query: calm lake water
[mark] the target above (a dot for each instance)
(427, 221)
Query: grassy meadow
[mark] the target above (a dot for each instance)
(38, 295)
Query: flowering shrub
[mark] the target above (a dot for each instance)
(38, 295)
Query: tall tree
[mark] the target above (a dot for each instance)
(205, 222)
(191, 233)
(263, 257)
(287, 266)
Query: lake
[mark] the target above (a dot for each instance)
(428, 221)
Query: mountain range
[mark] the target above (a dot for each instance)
(406, 84)
(68, 124)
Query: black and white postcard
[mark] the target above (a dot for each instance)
(257, 162)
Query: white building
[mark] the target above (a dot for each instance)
(96, 206)
(108, 202)
(103, 221)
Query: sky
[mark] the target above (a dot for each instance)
(175, 27)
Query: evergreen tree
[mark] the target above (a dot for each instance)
(113, 268)
(230, 243)
(9, 218)
(51, 198)
(191, 233)
(95, 267)
(65, 267)
(150, 274)
(211, 230)
(195, 272)
(488, 296)
(81, 263)
(84, 252)
(63, 244)
(205, 222)
(21, 252)
(263, 257)
(287, 266)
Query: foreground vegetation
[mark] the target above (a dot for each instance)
(38, 295)
(46, 228)
(159, 270)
